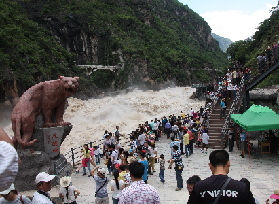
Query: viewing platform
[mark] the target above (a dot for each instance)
(92, 68)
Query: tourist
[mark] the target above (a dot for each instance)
(8, 161)
(191, 113)
(274, 196)
(162, 168)
(106, 142)
(86, 159)
(205, 139)
(174, 143)
(117, 133)
(191, 140)
(97, 154)
(153, 154)
(204, 191)
(11, 196)
(176, 158)
(133, 144)
(247, 182)
(145, 164)
(122, 172)
(114, 157)
(116, 187)
(101, 193)
(168, 129)
(68, 192)
(138, 192)
(92, 157)
(108, 159)
(43, 182)
(186, 143)
(123, 156)
(231, 139)
(242, 141)
(175, 131)
(155, 129)
(191, 182)
(141, 139)
(223, 108)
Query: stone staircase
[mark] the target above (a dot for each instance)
(216, 124)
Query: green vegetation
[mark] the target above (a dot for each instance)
(165, 39)
(246, 51)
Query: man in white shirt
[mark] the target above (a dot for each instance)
(141, 139)
(8, 161)
(43, 181)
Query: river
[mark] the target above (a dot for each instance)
(90, 118)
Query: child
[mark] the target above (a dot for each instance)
(162, 168)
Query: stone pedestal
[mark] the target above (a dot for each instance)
(44, 156)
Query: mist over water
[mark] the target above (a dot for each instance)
(90, 118)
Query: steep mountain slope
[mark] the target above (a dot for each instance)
(159, 41)
(246, 51)
(224, 43)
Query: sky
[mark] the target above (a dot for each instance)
(233, 19)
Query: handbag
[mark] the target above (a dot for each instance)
(220, 192)
(106, 162)
(179, 167)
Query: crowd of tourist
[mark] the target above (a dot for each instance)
(130, 170)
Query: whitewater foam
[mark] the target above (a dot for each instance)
(90, 118)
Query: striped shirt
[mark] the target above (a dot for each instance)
(8, 165)
(139, 193)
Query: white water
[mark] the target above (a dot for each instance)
(90, 118)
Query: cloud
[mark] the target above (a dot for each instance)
(236, 25)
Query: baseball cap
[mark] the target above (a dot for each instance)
(7, 191)
(44, 177)
(102, 171)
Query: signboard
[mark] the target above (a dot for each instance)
(52, 140)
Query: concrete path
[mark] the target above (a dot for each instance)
(262, 171)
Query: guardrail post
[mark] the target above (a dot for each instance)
(73, 157)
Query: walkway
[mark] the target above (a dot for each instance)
(262, 172)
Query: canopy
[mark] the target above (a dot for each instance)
(257, 118)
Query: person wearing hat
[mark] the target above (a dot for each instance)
(274, 196)
(102, 181)
(11, 195)
(67, 191)
(43, 182)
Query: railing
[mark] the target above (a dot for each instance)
(73, 157)
(205, 122)
(234, 109)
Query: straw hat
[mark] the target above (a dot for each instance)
(276, 194)
(65, 181)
